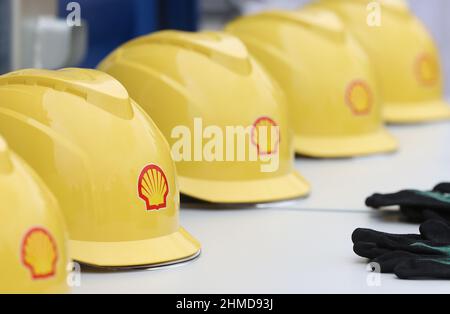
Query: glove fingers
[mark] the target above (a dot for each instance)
(436, 231)
(391, 242)
(411, 199)
(390, 260)
(442, 188)
(441, 215)
(369, 250)
(423, 269)
(385, 240)
(413, 214)
(416, 215)
(384, 200)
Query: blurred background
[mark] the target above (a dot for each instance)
(35, 33)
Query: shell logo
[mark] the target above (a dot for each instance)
(153, 187)
(427, 69)
(39, 253)
(359, 98)
(264, 137)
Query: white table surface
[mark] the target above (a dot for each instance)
(302, 246)
(422, 161)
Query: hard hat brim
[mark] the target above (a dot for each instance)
(175, 248)
(346, 146)
(291, 186)
(417, 113)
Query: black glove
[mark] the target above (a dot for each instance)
(443, 188)
(408, 256)
(416, 205)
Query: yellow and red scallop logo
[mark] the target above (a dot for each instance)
(39, 253)
(153, 187)
(266, 136)
(359, 98)
(427, 69)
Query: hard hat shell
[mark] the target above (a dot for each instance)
(105, 161)
(404, 56)
(178, 77)
(327, 78)
(33, 238)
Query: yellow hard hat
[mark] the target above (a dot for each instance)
(327, 78)
(404, 56)
(181, 78)
(33, 239)
(104, 159)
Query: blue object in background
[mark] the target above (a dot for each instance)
(179, 14)
(113, 22)
(5, 36)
